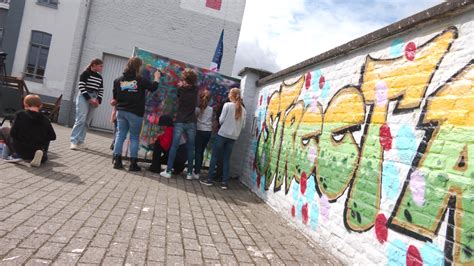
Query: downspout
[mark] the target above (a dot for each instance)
(81, 49)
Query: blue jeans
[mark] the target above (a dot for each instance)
(84, 114)
(128, 122)
(222, 147)
(190, 130)
(202, 139)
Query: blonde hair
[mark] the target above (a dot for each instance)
(234, 96)
(32, 100)
(133, 65)
(204, 98)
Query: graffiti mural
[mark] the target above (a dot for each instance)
(163, 101)
(320, 147)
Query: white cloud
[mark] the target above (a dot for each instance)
(286, 32)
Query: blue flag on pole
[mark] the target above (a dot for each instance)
(216, 60)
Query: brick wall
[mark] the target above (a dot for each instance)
(370, 152)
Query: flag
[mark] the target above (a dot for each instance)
(216, 60)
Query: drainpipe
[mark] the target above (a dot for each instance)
(81, 49)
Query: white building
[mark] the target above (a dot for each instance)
(57, 39)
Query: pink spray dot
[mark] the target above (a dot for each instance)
(303, 182)
(304, 213)
(381, 91)
(314, 104)
(325, 206)
(410, 51)
(322, 80)
(413, 257)
(381, 230)
(386, 137)
(312, 154)
(417, 187)
(308, 80)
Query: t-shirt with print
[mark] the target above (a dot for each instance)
(130, 93)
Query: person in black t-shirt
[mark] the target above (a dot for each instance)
(129, 96)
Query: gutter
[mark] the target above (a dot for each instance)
(81, 49)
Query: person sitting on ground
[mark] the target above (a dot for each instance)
(162, 143)
(30, 134)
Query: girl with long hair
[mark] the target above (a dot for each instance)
(204, 129)
(232, 121)
(91, 91)
(129, 99)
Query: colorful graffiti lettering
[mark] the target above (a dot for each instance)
(298, 140)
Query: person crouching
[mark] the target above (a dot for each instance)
(30, 134)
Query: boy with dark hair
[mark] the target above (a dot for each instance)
(185, 123)
(31, 132)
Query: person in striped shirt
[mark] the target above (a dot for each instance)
(91, 91)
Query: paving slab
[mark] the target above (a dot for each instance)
(76, 209)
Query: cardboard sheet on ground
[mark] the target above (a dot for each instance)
(164, 100)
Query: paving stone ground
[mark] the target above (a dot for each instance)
(76, 209)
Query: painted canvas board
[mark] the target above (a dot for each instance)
(164, 100)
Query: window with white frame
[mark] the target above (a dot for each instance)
(49, 3)
(38, 55)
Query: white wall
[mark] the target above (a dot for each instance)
(170, 28)
(61, 24)
(390, 179)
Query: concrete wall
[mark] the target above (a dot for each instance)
(184, 30)
(370, 153)
(12, 31)
(61, 24)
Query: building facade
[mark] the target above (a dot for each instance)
(58, 38)
(4, 6)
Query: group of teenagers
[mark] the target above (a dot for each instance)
(188, 133)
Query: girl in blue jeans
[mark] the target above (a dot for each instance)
(232, 121)
(90, 94)
(129, 95)
(204, 129)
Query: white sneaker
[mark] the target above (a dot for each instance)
(83, 146)
(13, 159)
(74, 147)
(196, 176)
(165, 174)
(36, 162)
(189, 176)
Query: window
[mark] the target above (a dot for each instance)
(1, 35)
(49, 3)
(38, 55)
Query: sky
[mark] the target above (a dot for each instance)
(277, 34)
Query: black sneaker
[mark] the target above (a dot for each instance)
(205, 182)
(224, 186)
